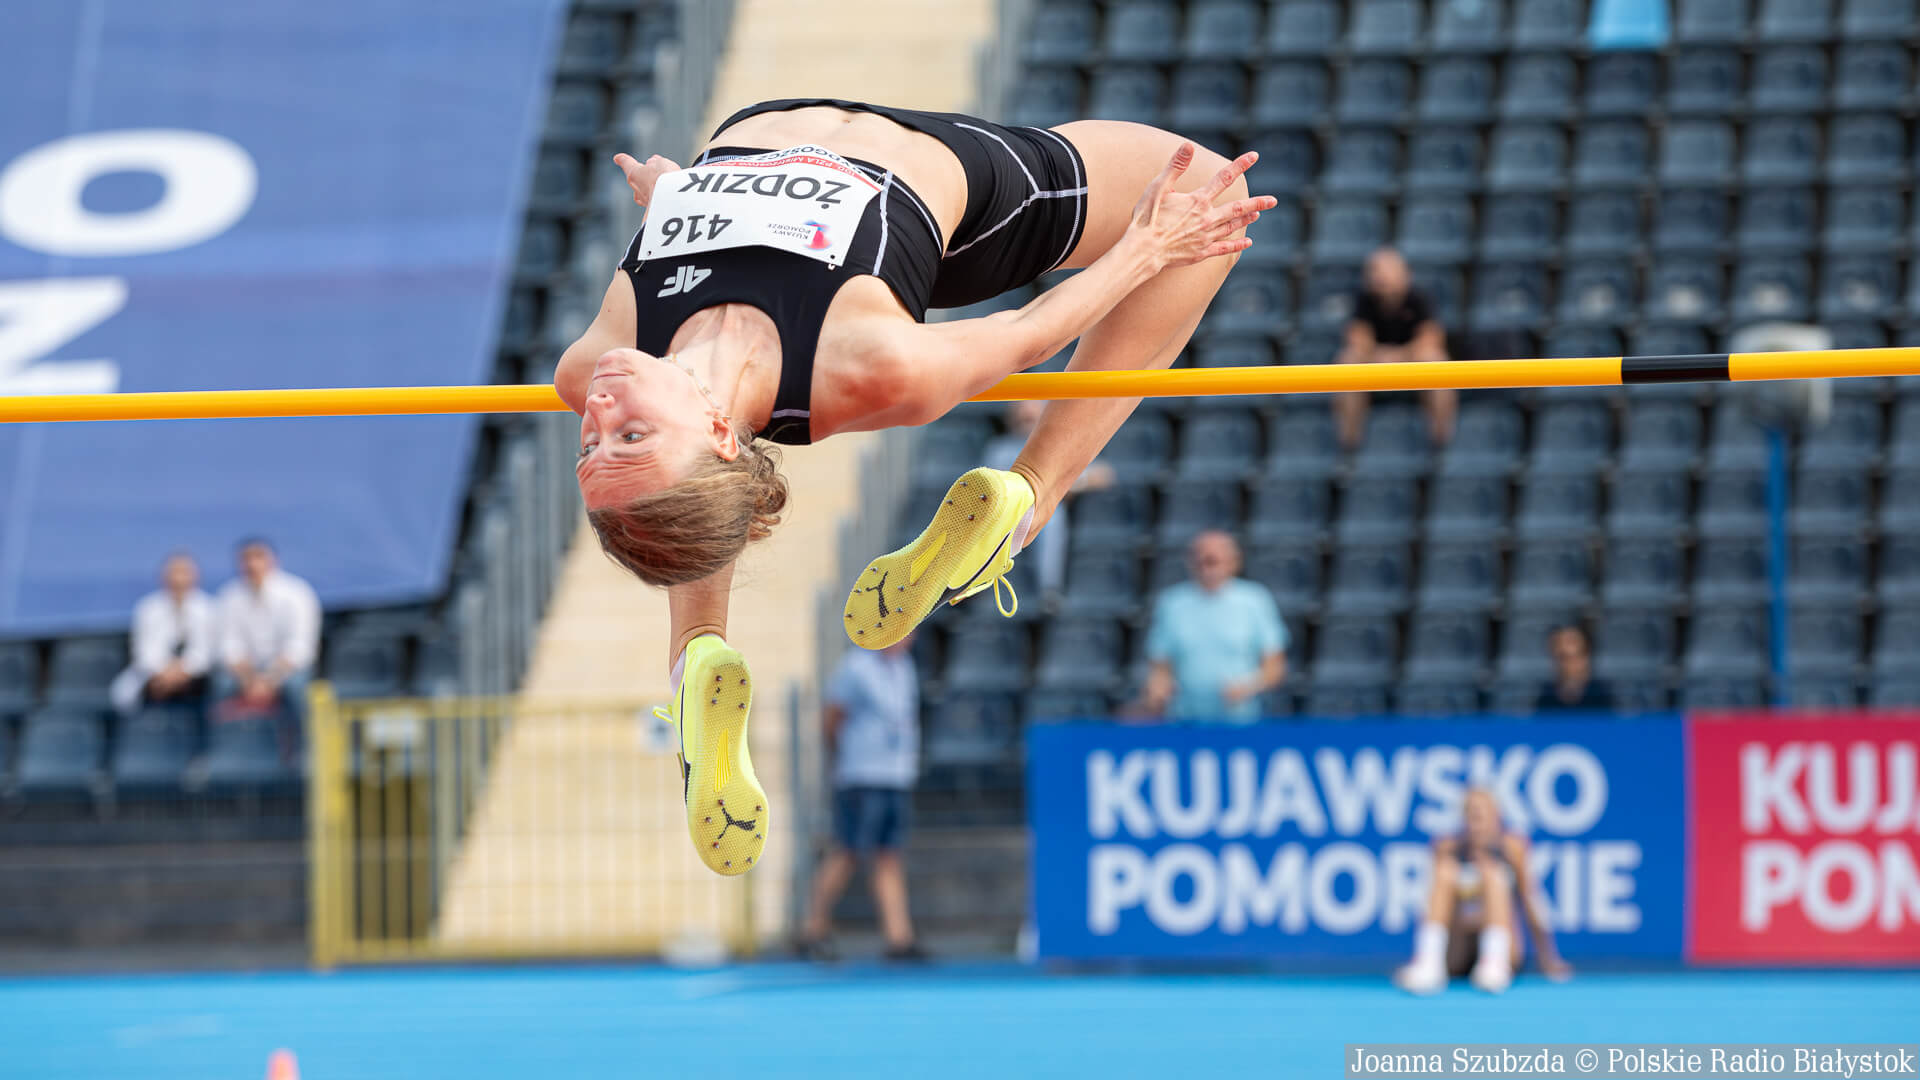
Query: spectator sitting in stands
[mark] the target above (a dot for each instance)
(270, 636)
(173, 642)
(1049, 549)
(1217, 642)
(873, 732)
(1573, 689)
(1392, 321)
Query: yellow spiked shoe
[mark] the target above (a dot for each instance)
(726, 806)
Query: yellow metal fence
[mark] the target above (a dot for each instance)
(494, 828)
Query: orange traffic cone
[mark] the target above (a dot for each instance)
(281, 1066)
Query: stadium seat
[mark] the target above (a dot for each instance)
(1789, 79)
(1829, 502)
(1683, 291)
(1827, 569)
(1303, 28)
(1423, 699)
(1469, 26)
(1824, 641)
(1703, 81)
(1060, 706)
(1141, 30)
(1849, 439)
(1899, 518)
(1863, 220)
(1578, 341)
(1347, 231)
(1776, 220)
(1823, 692)
(1733, 501)
(973, 728)
(1303, 444)
(1193, 506)
(1572, 437)
(81, 669)
(1538, 86)
(988, 655)
(1711, 22)
(1385, 27)
(1596, 293)
(1526, 157)
(1291, 573)
(1549, 24)
(19, 676)
(1467, 508)
(1551, 576)
(1222, 30)
(1635, 644)
(1644, 573)
(1435, 229)
(1456, 90)
(1524, 661)
(1660, 434)
(1062, 32)
(576, 112)
(60, 752)
(1459, 577)
(1795, 20)
(1559, 506)
(1782, 150)
(1858, 335)
(1621, 84)
(1519, 227)
(1102, 582)
(1363, 161)
(1509, 296)
(1877, 19)
(1290, 159)
(1867, 148)
(1895, 692)
(1355, 650)
(1772, 289)
(1377, 507)
(1446, 647)
(591, 45)
(1893, 644)
(1696, 153)
(365, 663)
(1486, 442)
(1669, 341)
(1277, 237)
(1142, 446)
(1327, 303)
(1374, 91)
(1723, 693)
(1291, 93)
(1649, 503)
(1860, 287)
(1395, 445)
(1603, 223)
(1080, 654)
(1252, 302)
(152, 749)
(1315, 345)
(1133, 94)
(1371, 579)
(1690, 221)
(1208, 97)
(944, 450)
(1871, 75)
(1727, 644)
(1218, 441)
(1443, 160)
(1611, 155)
(1046, 97)
(1110, 517)
(1289, 508)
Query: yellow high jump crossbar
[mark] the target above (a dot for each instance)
(1185, 382)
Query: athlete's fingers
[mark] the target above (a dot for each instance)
(1234, 224)
(1224, 179)
(1254, 205)
(1182, 157)
(1227, 247)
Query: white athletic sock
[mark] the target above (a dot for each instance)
(1020, 530)
(679, 668)
(1430, 944)
(1496, 947)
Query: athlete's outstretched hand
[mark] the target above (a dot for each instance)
(641, 178)
(1185, 227)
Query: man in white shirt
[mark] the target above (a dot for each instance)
(269, 636)
(173, 642)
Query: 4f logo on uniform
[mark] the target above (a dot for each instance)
(684, 280)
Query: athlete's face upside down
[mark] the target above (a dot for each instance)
(644, 428)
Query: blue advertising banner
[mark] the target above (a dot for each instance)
(1313, 839)
(201, 194)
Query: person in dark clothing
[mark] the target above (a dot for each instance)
(1573, 689)
(1392, 321)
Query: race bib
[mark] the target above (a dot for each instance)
(805, 200)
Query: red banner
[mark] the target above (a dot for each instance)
(1806, 837)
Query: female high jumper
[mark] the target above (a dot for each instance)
(776, 292)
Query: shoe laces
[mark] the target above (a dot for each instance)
(1006, 610)
(664, 714)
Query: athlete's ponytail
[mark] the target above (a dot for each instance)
(696, 527)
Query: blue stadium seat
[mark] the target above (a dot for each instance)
(1277, 237)
(1858, 335)
(1724, 693)
(363, 663)
(1141, 30)
(1510, 296)
(1303, 28)
(1253, 302)
(1669, 341)
(1363, 161)
(1733, 501)
(1649, 503)
(1385, 27)
(1110, 517)
(1526, 157)
(1371, 579)
(1824, 641)
(1290, 159)
(1849, 439)
(1706, 82)
(1208, 97)
(1219, 441)
(1660, 434)
(1557, 506)
(1469, 26)
(1081, 654)
(1690, 221)
(1520, 227)
(1134, 94)
(1860, 287)
(1789, 79)
(1193, 506)
(1524, 662)
(1395, 445)
(1711, 22)
(1827, 569)
(591, 45)
(1355, 650)
(19, 676)
(1621, 84)
(249, 753)
(1572, 437)
(1538, 86)
(1863, 220)
(1603, 223)
(1795, 20)
(1871, 75)
(1142, 446)
(1443, 159)
(1598, 293)
(1823, 692)
(81, 669)
(1683, 291)
(1447, 647)
(1635, 644)
(1222, 30)
(1102, 582)
(60, 752)
(1899, 517)
(1289, 508)
(575, 113)
(1467, 508)
(1781, 150)
(1867, 148)
(1436, 229)
(1487, 441)
(973, 728)
(1291, 573)
(1776, 220)
(1893, 644)
(1437, 699)
(1377, 508)
(1696, 153)
(1456, 90)
(1058, 706)
(1877, 19)
(1315, 345)
(1551, 576)
(944, 450)
(1772, 289)
(152, 749)
(1291, 93)
(1611, 155)
(1046, 98)
(1647, 573)
(1895, 691)
(1327, 302)
(1347, 231)
(988, 655)
(1549, 24)
(1374, 91)
(1459, 577)
(1303, 444)
(1062, 32)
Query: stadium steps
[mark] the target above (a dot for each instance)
(87, 894)
(961, 882)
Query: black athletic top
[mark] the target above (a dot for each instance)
(1394, 325)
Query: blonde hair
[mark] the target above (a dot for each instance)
(696, 527)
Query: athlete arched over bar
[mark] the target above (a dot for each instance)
(776, 292)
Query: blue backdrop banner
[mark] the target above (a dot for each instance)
(201, 194)
(1312, 839)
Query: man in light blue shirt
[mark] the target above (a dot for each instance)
(1217, 642)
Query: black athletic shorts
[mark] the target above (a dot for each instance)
(1026, 197)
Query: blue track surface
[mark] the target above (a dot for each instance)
(779, 1020)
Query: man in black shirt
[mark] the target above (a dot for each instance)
(1392, 321)
(1573, 689)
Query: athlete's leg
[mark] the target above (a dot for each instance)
(1148, 328)
(696, 608)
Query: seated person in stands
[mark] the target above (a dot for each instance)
(1481, 889)
(1392, 321)
(1050, 547)
(1573, 689)
(1217, 642)
(173, 642)
(269, 637)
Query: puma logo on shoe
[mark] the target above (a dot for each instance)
(745, 824)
